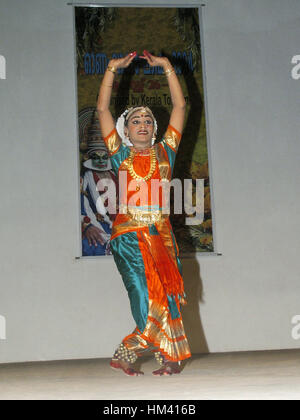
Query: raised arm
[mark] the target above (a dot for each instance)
(105, 118)
(178, 101)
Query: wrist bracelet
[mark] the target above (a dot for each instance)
(169, 71)
(112, 69)
(86, 228)
(110, 86)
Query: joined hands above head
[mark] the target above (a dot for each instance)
(153, 61)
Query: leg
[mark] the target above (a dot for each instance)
(124, 359)
(167, 368)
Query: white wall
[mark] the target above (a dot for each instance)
(56, 307)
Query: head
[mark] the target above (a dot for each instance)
(99, 158)
(140, 127)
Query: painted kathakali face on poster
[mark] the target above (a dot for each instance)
(140, 129)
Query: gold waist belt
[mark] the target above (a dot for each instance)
(141, 216)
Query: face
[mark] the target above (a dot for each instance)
(99, 158)
(140, 129)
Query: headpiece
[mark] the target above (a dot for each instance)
(95, 152)
(121, 121)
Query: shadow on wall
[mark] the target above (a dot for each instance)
(190, 312)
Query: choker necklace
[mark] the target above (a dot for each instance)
(142, 152)
(151, 170)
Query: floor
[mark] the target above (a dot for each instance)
(240, 375)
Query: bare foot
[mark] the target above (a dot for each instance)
(167, 369)
(126, 367)
(159, 372)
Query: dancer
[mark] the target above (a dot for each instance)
(142, 241)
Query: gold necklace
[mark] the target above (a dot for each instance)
(151, 170)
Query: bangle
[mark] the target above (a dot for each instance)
(110, 86)
(86, 228)
(169, 71)
(112, 69)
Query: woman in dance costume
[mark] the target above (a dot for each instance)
(142, 241)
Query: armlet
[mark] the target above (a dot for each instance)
(113, 141)
(172, 138)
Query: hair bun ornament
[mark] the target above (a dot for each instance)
(121, 124)
(120, 128)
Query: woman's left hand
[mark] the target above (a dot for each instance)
(156, 61)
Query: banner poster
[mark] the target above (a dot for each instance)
(103, 33)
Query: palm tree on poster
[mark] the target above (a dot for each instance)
(186, 22)
(91, 22)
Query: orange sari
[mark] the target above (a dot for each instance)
(147, 256)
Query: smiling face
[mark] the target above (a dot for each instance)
(140, 129)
